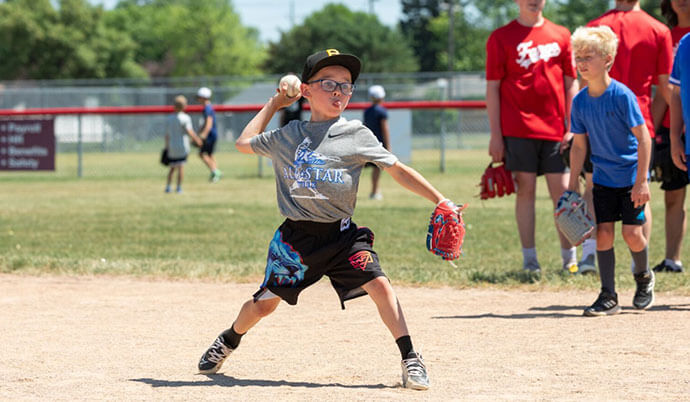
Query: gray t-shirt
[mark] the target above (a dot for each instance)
(317, 166)
(176, 127)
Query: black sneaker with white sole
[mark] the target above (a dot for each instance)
(644, 295)
(606, 304)
(214, 357)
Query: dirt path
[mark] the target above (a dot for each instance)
(66, 338)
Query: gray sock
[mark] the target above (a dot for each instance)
(607, 269)
(641, 260)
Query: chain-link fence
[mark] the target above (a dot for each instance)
(463, 128)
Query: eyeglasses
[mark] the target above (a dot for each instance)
(329, 86)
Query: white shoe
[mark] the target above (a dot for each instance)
(414, 375)
(570, 267)
(587, 265)
(376, 197)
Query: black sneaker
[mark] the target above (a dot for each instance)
(214, 357)
(664, 266)
(644, 295)
(606, 304)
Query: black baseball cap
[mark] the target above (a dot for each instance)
(331, 57)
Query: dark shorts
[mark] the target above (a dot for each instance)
(614, 204)
(177, 161)
(663, 169)
(208, 147)
(302, 252)
(534, 156)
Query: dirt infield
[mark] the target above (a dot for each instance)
(66, 338)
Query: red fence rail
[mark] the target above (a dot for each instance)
(452, 104)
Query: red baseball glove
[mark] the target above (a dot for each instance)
(496, 181)
(446, 230)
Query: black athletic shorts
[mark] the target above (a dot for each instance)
(533, 156)
(302, 252)
(208, 147)
(663, 169)
(614, 204)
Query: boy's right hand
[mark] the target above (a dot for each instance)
(678, 156)
(496, 148)
(640, 194)
(281, 99)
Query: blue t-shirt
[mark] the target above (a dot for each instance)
(607, 120)
(372, 119)
(213, 134)
(681, 73)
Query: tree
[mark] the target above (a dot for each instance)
(380, 48)
(72, 41)
(415, 25)
(189, 37)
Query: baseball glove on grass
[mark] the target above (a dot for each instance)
(572, 218)
(496, 181)
(446, 230)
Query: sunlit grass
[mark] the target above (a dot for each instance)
(116, 219)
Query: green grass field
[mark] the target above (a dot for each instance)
(117, 220)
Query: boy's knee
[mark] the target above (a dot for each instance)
(379, 285)
(265, 307)
(633, 234)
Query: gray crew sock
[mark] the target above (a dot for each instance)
(607, 269)
(641, 260)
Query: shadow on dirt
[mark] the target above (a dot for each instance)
(228, 381)
(552, 312)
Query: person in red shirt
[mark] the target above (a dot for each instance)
(531, 81)
(644, 58)
(673, 180)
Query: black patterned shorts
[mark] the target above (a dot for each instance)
(302, 252)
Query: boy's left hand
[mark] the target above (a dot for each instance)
(640, 194)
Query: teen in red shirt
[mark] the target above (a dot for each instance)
(530, 85)
(673, 180)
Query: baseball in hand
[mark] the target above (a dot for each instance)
(290, 83)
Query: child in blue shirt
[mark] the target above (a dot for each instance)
(607, 112)
(376, 120)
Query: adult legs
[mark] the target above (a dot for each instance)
(674, 201)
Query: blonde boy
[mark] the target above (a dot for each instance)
(607, 112)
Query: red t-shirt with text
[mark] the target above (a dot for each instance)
(531, 63)
(644, 53)
(676, 35)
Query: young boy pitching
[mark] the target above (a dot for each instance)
(608, 113)
(317, 166)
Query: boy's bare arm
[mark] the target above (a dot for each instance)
(571, 88)
(386, 133)
(197, 140)
(208, 124)
(415, 182)
(493, 109)
(578, 153)
(676, 112)
(258, 124)
(640, 192)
